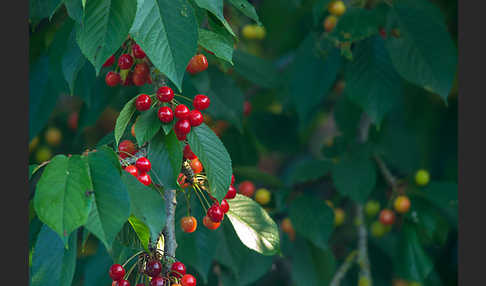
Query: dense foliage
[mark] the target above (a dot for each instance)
(334, 121)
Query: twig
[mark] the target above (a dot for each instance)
(343, 269)
(389, 178)
(170, 244)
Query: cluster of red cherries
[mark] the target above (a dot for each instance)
(153, 269)
(133, 66)
(142, 166)
(186, 118)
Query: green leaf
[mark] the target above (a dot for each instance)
(319, 228)
(257, 70)
(413, 263)
(423, 54)
(52, 263)
(148, 124)
(74, 9)
(253, 225)
(347, 116)
(354, 175)
(72, 61)
(165, 154)
(246, 265)
(310, 170)
(216, 8)
(142, 231)
(255, 174)
(371, 81)
(124, 118)
(246, 8)
(40, 9)
(312, 78)
(60, 200)
(214, 157)
(220, 45)
(311, 266)
(359, 23)
(133, 235)
(443, 195)
(95, 268)
(104, 28)
(158, 27)
(111, 207)
(146, 204)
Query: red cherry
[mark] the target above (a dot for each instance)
(142, 69)
(207, 222)
(144, 178)
(122, 283)
(143, 102)
(112, 79)
(157, 281)
(165, 94)
(182, 127)
(138, 52)
(73, 120)
(215, 213)
(188, 154)
(196, 166)
(197, 64)
(178, 269)
(125, 61)
(116, 272)
(138, 79)
(387, 217)
(246, 188)
(128, 79)
(246, 108)
(132, 170)
(201, 102)
(126, 146)
(110, 61)
(224, 206)
(182, 112)
(383, 33)
(232, 179)
(188, 280)
(143, 164)
(180, 136)
(196, 118)
(231, 194)
(181, 179)
(165, 114)
(153, 268)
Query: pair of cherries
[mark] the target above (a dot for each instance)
(216, 211)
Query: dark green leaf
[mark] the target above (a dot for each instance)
(246, 8)
(72, 61)
(310, 170)
(319, 228)
(111, 206)
(220, 45)
(146, 204)
(158, 27)
(148, 124)
(371, 81)
(423, 54)
(104, 28)
(444, 196)
(216, 8)
(347, 116)
(124, 118)
(74, 9)
(253, 225)
(52, 263)
(95, 268)
(214, 157)
(142, 231)
(255, 174)
(60, 200)
(40, 9)
(312, 78)
(255, 69)
(165, 154)
(133, 235)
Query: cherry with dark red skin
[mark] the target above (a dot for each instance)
(132, 170)
(188, 280)
(153, 268)
(188, 154)
(201, 102)
(112, 79)
(145, 179)
(182, 127)
(157, 281)
(143, 164)
(178, 269)
(138, 79)
(122, 283)
(125, 61)
(165, 94)
(116, 272)
(165, 114)
(180, 136)
(182, 112)
(126, 146)
(196, 118)
(110, 61)
(138, 52)
(215, 213)
(143, 102)
(231, 194)
(232, 179)
(224, 206)
(142, 69)
(247, 108)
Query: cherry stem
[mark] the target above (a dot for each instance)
(129, 271)
(133, 256)
(185, 97)
(202, 194)
(200, 200)
(187, 202)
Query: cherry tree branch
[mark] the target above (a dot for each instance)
(385, 172)
(343, 269)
